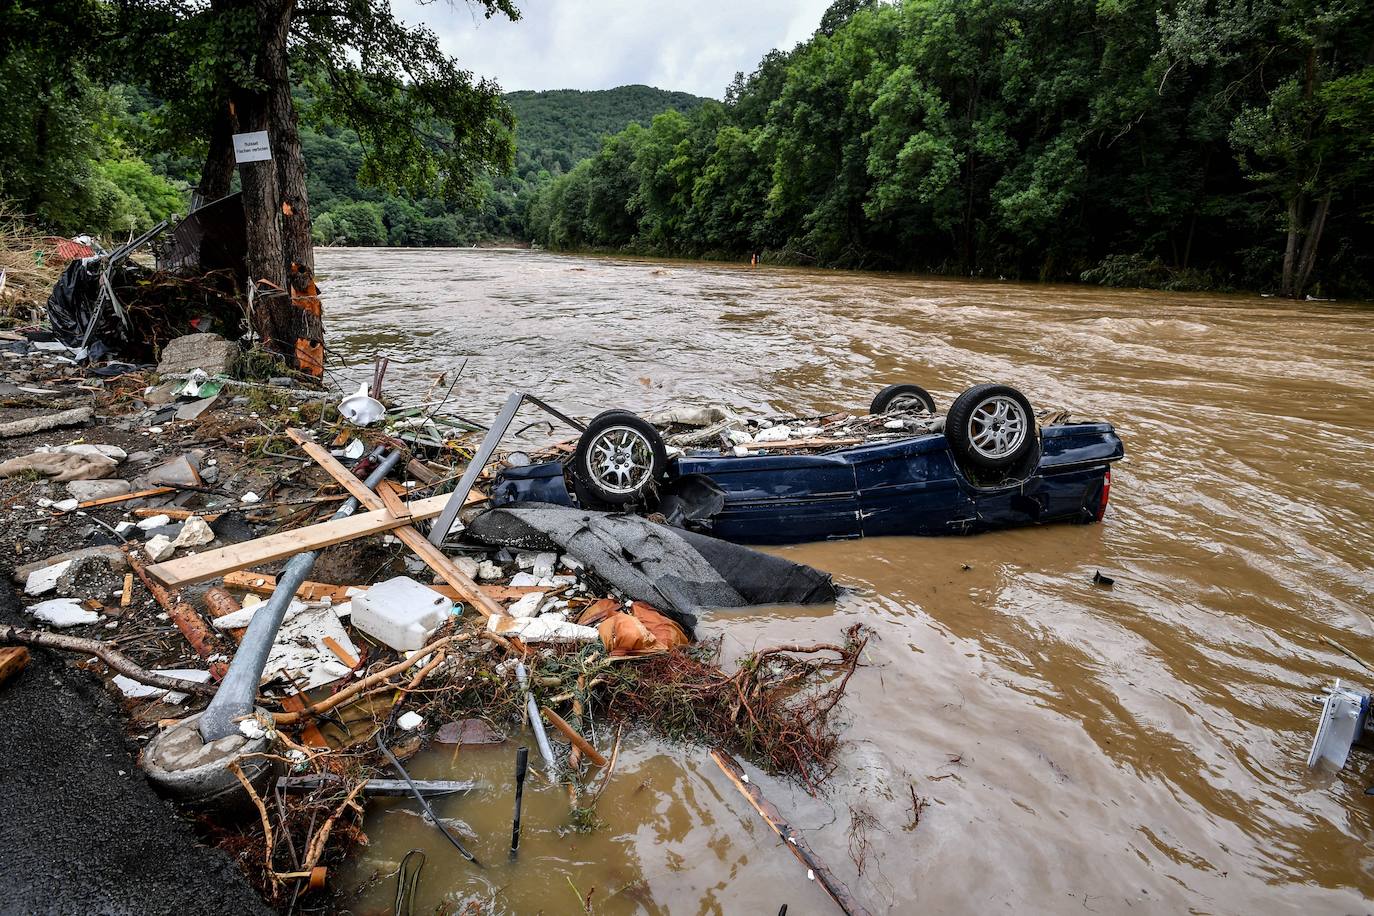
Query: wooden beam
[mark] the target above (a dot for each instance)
(12, 661)
(582, 744)
(790, 836)
(387, 491)
(437, 560)
(265, 584)
(125, 497)
(212, 564)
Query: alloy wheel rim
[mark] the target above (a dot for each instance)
(997, 427)
(621, 460)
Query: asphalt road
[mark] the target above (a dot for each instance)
(81, 830)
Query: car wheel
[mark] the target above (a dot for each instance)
(618, 457)
(991, 427)
(902, 397)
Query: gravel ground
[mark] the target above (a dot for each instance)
(81, 830)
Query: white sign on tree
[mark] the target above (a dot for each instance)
(252, 147)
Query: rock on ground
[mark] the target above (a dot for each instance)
(82, 490)
(210, 352)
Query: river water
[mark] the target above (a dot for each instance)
(1137, 749)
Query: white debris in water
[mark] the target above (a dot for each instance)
(779, 433)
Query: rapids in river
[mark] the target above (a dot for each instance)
(1134, 749)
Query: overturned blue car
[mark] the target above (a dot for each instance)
(986, 464)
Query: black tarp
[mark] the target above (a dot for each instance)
(679, 572)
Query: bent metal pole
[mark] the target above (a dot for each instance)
(239, 688)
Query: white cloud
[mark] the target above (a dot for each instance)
(690, 45)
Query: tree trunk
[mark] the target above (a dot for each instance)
(297, 320)
(1309, 246)
(217, 175)
(1290, 253)
(266, 267)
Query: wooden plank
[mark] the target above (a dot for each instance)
(264, 584)
(790, 836)
(332, 645)
(582, 744)
(126, 597)
(12, 661)
(108, 500)
(387, 491)
(179, 515)
(211, 564)
(409, 535)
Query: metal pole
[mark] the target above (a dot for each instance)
(536, 724)
(522, 760)
(459, 496)
(239, 689)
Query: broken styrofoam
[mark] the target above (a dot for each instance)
(523, 580)
(136, 691)
(249, 498)
(544, 564)
(63, 612)
(541, 629)
(154, 521)
(779, 433)
(527, 606)
(42, 581)
(410, 720)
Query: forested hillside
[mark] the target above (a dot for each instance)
(1176, 144)
(554, 131)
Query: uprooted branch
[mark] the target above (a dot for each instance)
(773, 709)
(112, 657)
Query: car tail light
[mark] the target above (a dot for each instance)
(1106, 495)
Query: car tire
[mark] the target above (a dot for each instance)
(991, 428)
(902, 397)
(618, 458)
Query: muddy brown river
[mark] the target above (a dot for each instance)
(1139, 749)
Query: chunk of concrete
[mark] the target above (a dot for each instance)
(89, 577)
(82, 490)
(118, 562)
(38, 424)
(210, 352)
(159, 548)
(195, 533)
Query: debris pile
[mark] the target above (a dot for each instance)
(167, 527)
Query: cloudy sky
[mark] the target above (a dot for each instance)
(691, 45)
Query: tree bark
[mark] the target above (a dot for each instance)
(297, 319)
(1290, 253)
(217, 174)
(1309, 246)
(266, 267)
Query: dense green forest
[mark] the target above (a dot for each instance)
(101, 168)
(1183, 144)
(554, 131)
